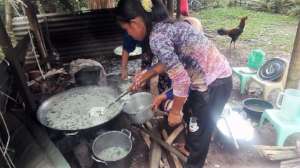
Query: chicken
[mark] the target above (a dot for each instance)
(235, 33)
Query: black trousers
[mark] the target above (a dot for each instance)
(205, 107)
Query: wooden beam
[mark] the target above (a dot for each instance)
(35, 27)
(293, 80)
(178, 9)
(170, 6)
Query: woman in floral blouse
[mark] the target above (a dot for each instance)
(200, 74)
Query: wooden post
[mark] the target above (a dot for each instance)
(36, 29)
(12, 56)
(293, 80)
(178, 9)
(170, 6)
(8, 16)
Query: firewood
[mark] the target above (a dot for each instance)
(277, 152)
(290, 163)
(169, 140)
(147, 140)
(155, 149)
(164, 144)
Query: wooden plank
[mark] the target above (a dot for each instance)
(274, 147)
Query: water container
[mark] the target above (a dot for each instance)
(290, 104)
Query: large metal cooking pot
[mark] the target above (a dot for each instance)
(79, 108)
(138, 107)
(112, 146)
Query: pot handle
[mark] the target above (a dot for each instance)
(98, 160)
(279, 100)
(71, 133)
(127, 132)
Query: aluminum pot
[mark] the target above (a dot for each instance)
(138, 107)
(105, 145)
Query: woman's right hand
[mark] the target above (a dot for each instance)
(138, 82)
(157, 101)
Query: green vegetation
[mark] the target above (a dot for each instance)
(261, 27)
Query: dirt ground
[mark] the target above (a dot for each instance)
(246, 156)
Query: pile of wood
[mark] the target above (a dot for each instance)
(162, 153)
(288, 155)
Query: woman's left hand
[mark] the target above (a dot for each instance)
(174, 118)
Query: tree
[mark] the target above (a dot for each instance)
(101, 4)
(293, 80)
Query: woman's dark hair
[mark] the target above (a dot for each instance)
(127, 10)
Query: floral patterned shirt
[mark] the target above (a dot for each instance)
(192, 61)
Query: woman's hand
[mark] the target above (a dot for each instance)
(157, 101)
(138, 82)
(175, 115)
(174, 118)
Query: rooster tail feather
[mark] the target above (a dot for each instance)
(222, 32)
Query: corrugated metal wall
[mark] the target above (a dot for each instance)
(80, 35)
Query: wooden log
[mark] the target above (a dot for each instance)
(47, 75)
(164, 160)
(175, 160)
(164, 144)
(283, 156)
(147, 140)
(174, 134)
(155, 149)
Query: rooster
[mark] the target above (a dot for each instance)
(235, 33)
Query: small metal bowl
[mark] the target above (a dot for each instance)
(255, 107)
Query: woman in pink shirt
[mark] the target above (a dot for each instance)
(200, 74)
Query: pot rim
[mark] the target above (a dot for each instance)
(245, 106)
(106, 133)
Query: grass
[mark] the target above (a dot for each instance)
(262, 28)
